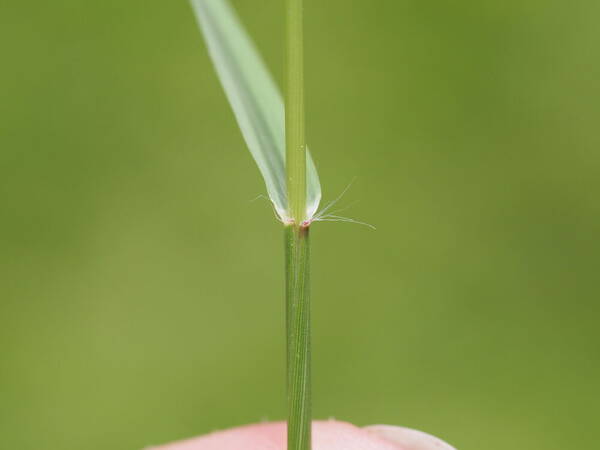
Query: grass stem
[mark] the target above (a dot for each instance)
(294, 112)
(297, 246)
(297, 238)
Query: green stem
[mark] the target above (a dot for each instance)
(297, 246)
(296, 238)
(294, 112)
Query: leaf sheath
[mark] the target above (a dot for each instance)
(297, 246)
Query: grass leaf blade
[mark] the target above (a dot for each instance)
(254, 98)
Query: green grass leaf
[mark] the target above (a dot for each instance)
(255, 99)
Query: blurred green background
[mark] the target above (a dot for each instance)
(141, 289)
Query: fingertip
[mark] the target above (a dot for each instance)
(326, 435)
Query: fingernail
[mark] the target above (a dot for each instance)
(409, 439)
